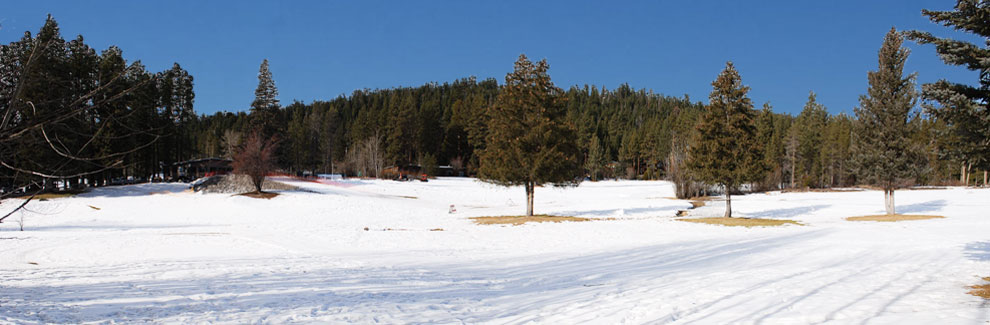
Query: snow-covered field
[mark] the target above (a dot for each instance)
(155, 253)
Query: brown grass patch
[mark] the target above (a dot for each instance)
(518, 220)
(893, 217)
(260, 195)
(92, 207)
(982, 291)
(742, 222)
(51, 195)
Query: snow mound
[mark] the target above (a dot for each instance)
(233, 184)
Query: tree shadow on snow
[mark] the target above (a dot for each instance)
(135, 190)
(660, 211)
(411, 292)
(977, 251)
(923, 207)
(788, 212)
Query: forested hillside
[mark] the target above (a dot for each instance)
(105, 118)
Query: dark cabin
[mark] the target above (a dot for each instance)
(193, 169)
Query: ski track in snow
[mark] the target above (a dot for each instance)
(156, 253)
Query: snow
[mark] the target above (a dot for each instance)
(158, 253)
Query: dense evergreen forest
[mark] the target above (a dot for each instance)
(622, 132)
(72, 114)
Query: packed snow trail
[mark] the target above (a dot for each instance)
(304, 256)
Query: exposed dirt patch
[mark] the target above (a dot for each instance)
(260, 195)
(893, 217)
(696, 202)
(700, 201)
(518, 220)
(742, 222)
(92, 207)
(982, 290)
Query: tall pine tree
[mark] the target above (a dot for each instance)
(265, 107)
(773, 147)
(596, 158)
(883, 153)
(810, 126)
(724, 150)
(963, 108)
(529, 141)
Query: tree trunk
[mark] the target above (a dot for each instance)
(968, 168)
(888, 200)
(728, 203)
(792, 172)
(529, 199)
(962, 174)
(984, 178)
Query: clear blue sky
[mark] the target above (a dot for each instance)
(322, 49)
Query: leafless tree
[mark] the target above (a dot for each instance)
(230, 142)
(457, 163)
(256, 159)
(374, 153)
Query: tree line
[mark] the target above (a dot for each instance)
(621, 133)
(73, 115)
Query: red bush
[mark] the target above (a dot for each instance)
(256, 158)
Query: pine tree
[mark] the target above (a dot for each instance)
(265, 107)
(963, 108)
(810, 126)
(882, 148)
(791, 154)
(529, 143)
(71, 114)
(835, 149)
(596, 158)
(766, 134)
(724, 150)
